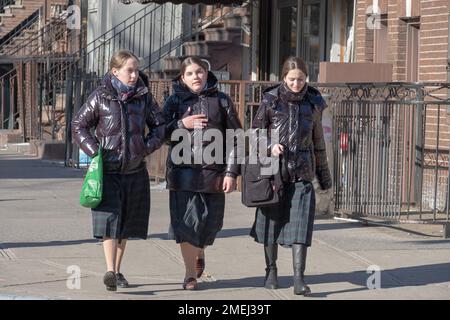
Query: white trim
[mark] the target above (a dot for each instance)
(375, 7)
(408, 8)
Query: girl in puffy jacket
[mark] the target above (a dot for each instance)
(197, 200)
(294, 110)
(119, 111)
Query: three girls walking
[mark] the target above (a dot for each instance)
(121, 107)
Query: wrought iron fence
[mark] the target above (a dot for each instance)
(391, 150)
(9, 112)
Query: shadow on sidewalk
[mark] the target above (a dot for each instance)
(390, 278)
(339, 225)
(36, 169)
(12, 245)
(225, 233)
(239, 232)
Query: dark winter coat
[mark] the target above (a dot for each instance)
(298, 121)
(221, 114)
(119, 126)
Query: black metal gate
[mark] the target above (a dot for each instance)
(391, 150)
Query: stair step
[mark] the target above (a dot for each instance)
(30, 32)
(9, 136)
(203, 47)
(20, 38)
(222, 34)
(14, 6)
(18, 147)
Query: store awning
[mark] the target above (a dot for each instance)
(185, 1)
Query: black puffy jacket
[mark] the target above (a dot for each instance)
(299, 126)
(119, 126)
(221, 114)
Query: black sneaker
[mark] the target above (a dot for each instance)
(121, 281)
(110, 281)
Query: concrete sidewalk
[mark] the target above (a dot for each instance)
(44, 231)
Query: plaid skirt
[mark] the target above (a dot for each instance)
(289, 222)
(125, 208)
(196, 217)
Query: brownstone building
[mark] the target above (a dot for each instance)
(413, 36)
(410, 34)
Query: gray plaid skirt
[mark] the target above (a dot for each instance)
(196, 217)
(289, 222)
(125, 208)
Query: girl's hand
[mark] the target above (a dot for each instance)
(197, 121)
(277, 150)
(229, 184)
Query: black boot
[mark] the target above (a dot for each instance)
(270, 253)
(299, 262)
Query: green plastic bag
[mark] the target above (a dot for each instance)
(92, 189)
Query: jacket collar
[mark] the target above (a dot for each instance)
(312, 95)
(183, 92)
(107, 90)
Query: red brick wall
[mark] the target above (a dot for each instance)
(433, 40)
(397, 40)
(433, 46)
(363, 36)
(433, 51)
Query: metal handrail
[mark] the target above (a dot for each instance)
(6, 77)
(5, 3)
(46, 29)
(172, 45)
(84, 53)
(25, 24)
(176, 43)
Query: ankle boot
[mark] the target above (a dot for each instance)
(270, 253)
(299, 262)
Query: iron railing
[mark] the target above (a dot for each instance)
(38, 42)
(392, 150)
(35, 53)
(26, 24)
(9, 112)
(162, 27)
(5, 3)
(53, 83)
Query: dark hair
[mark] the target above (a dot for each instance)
(292, 63)
(193, 60)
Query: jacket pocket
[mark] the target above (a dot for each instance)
(304, 165)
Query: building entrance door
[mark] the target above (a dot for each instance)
(299, 30)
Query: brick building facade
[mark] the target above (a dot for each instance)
(410, 34)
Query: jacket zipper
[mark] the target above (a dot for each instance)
(124, 136)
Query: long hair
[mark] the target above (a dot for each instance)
(292, 63)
